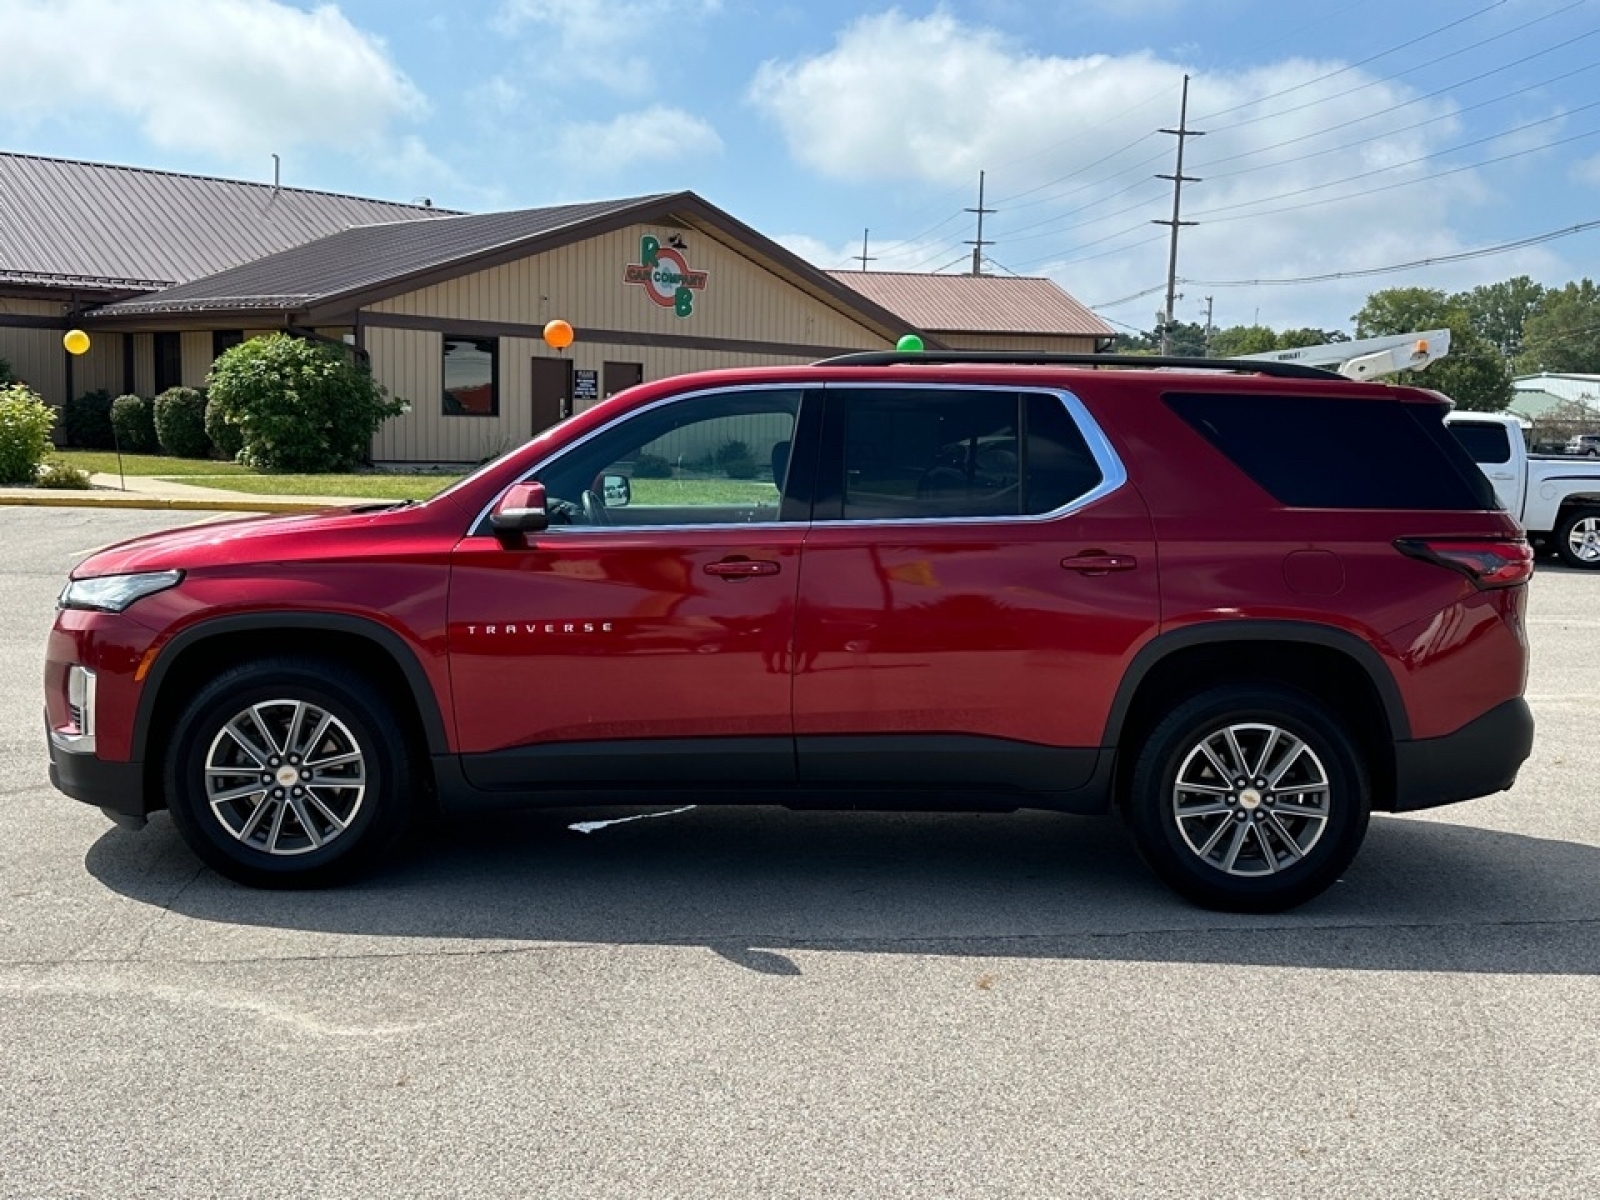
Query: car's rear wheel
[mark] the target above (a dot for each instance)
(1577, 539)
(1250, 798)
(289, 773)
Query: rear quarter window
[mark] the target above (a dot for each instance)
(1322, 452)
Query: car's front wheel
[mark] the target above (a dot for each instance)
(1250, 798)
(289, 773)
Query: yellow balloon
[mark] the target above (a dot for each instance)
(76, 341)
(558, 334)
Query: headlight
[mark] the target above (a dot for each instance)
(113, 593)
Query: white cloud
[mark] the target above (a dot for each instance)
(653, 135)
(1587, 171)
(234, 78)
(609, 42)
(1071, 155)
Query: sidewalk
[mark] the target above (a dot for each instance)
(145, 492)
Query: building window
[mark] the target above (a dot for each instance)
(169, 361)
(223, 340)
(471, 377)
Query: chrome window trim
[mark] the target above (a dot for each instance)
(1113, 474)
(473, 530)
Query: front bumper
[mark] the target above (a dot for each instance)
(1480, 758)
(117, 788)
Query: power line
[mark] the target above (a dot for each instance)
(1488, 162)
(1352, 66)
(1462, 256)
(1411, 162)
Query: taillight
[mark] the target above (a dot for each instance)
(1489, 563)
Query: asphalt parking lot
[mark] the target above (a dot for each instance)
(757, 1003)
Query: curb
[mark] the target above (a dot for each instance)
(186, 504)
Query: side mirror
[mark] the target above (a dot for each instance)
(616, 491)
(521, 510)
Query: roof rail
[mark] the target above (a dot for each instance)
(892, 358)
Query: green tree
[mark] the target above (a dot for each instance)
(1242, 339)
(1291, 339)
(299, 405)
(1474, 374)
(1499, 311)
(1564, 334)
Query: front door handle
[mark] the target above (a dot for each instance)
(1095, 563)
(741, 568)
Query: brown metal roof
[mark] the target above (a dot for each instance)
(91, 226)
(368, 257)
(977, 303)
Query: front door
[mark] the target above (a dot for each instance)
(647, 636)
(552, 392)
(975, 580)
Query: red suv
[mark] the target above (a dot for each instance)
(1244, 603)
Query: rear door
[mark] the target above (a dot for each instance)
(1491, 448)
(975, 579)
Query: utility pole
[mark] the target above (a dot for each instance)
(1208, 327)
(977, 246)
(1183, 133)
(864, 258)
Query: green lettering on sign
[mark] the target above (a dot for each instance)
(649, 250)
(683, 302)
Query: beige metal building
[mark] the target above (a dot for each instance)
(450, 309)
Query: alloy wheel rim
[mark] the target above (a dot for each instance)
(1584, 539)
(1251, 799)
(285, 777)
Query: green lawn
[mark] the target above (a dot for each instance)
(375, 486)
(703, 491)
(105, 462)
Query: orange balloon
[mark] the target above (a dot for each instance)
(558, 334)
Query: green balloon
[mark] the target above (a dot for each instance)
(910, 344)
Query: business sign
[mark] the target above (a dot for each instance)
(664, 273)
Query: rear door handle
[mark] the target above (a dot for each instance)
(741, 568)
(1100, 564)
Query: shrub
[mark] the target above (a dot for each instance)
(25, 422)
(6, 377)
(652, 466)
(301, 405)
(57, 474)
(134, 420)
(87, 421)
(227, 439)
(181, 423)
(735, 460)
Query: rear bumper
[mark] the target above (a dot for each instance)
(116, 787)
(1480, 758)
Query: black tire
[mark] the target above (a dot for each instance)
(1325, 785)
(1580, 526)
(372, 795)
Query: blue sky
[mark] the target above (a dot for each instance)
(1340, 137)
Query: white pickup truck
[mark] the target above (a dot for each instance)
(1556, 499)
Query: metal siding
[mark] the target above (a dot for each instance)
(995, 341)
(101, 368)
(144, 364)
(195, 351)
(582, 283)
(36, 357)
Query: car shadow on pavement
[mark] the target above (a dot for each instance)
(758, 885)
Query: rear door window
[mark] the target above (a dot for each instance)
(1487, 444)
(938, 453)
(1323, 452)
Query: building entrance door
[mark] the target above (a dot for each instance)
(552, 392)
